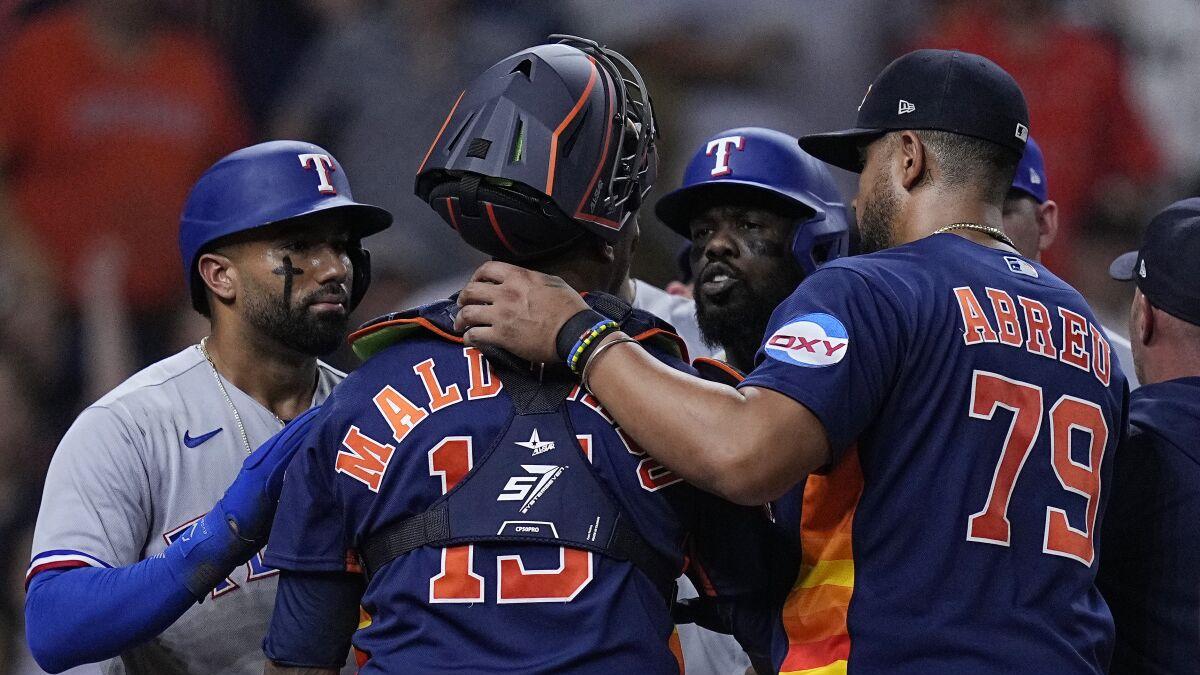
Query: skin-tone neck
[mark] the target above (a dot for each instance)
(931, 209)
(588, 266)
(281, 379)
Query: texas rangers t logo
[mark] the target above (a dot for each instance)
(721, 147)
(323, 164)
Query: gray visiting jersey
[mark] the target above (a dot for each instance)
(133, 471)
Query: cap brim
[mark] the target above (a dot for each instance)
(362, 219)
(1122, 269)
(840, 148)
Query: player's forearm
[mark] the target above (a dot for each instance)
(90, 614)
(712, 435)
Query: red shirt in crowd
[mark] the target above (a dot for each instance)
(98, 146)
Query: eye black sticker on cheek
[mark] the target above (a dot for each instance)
(288, 271)
(766, 248)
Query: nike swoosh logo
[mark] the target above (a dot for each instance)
(191, 442)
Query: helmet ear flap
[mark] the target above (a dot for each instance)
(817, 240)
(361, 259)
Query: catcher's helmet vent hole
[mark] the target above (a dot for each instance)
(479, 148)
(570, 142)
(524, 67)
(458, 134)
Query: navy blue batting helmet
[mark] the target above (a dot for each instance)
(268, 184)
(762, 163)
(547, 145)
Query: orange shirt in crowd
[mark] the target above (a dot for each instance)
(1074, 83)
(99, 147)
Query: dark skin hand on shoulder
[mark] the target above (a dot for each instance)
(748, 445)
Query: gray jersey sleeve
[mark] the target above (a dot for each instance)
(96, 502)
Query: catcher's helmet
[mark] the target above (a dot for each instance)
(548, 144)
(267, 184)
(767, 164)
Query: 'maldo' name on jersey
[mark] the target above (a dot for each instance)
(366, 460)
(1024, 323)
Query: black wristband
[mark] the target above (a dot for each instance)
(574, 328)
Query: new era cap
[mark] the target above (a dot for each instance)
(1165, 266)
(1031, 173)
(953, 91)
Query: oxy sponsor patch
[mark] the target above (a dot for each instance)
(813, 341)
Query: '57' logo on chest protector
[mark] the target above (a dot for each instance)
(530, 488)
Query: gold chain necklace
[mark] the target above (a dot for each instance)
(994, 233)
(203, 347)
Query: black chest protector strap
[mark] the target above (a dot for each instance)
(534, 484)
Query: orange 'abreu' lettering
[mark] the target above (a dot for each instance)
(1037, 324)
(366, 460)
(1075, 331)
(438, 397)
(1101, 356)
(976, 328)
(1006, 317)
(401, 414)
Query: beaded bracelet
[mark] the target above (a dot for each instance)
(586, 342)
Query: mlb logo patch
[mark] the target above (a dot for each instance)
(1020, 266)
(813, 341)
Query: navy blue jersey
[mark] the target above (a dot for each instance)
(975, 397)
(1150, 572)
(407, 427)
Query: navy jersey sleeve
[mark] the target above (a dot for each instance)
(308, 534)
(834, 346)
(315, 616)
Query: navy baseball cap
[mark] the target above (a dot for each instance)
(1031, 173)
(952, 91)
(1164, 268)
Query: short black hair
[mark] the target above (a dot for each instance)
(973, 163)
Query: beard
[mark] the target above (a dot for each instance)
(879, 211)
(293, 325)
(739, 320)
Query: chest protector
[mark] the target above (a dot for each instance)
(535, 482)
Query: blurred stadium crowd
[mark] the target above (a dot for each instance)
(110, 109)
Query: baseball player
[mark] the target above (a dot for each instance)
(1148, 572)
(503, 521)
(128, 539)
(761, 215)
(974, 392)
(1031, 220)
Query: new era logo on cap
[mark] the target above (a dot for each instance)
(1142, 270)
(1022, 132)
(905, 107)
(1034, 177)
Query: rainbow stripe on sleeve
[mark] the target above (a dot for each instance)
(814, 615)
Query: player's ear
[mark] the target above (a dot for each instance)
(911, 159)
(1047, 218)
(607, 252)
(219, 274)
(1141, 324)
